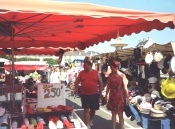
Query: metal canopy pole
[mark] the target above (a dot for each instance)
(13, 71)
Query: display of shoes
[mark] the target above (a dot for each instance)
(40, 125)
(47, 110)
(77, 123)
(23, 126)
(55, 118)
(63, 117)
(52, 125)
(70, 117)
(51, 119)
(31, 126)
(59, 124)
(14, 124)
(33, 121)
(39, 119)
(40, 109)
(26, 121)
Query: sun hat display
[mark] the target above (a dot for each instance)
(145, 107)
(152, 80)
(172, 64)
(158, 56)
(147, 97)
(160, 63)
(157, 111)
(155, 92)
(149, 58)
(168, 106)
(168, 87)
(166, 62)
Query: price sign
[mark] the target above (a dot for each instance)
(51, 94)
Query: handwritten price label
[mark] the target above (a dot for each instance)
(51, 94)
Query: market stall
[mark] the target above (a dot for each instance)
(150, 73)
(30, 23)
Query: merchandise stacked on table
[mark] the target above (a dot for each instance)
(51, 117)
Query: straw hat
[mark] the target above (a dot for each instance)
(145, 107)
(168, 88)
(157, 111)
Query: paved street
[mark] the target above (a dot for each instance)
(102, 120)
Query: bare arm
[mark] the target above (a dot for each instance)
(125, 82)
(77, 81)
(108, 87)
(100, 83)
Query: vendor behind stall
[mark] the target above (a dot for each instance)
(155, 96)
(31, 91)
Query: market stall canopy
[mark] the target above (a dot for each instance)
(27, 65)
(33, 51)
(34, 23)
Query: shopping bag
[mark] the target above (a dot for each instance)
(127, 111)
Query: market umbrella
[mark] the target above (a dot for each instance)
(33, 23)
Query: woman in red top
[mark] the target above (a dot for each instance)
(118, 93)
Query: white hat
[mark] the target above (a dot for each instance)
(152, 80)
(149, 58)
(158, 56)
(172, 64)
(160, 63)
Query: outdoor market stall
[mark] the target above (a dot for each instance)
(53, 24)
(159, 68)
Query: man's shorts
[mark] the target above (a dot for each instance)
(90, 101)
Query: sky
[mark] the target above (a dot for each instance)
(161, 37)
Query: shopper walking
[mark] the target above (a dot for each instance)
(118, 93)
(91, 88)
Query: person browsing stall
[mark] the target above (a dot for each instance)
(91, 89)
(118, 93)
(155, 96)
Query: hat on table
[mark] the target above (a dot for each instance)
(157, 111)
(155, 92)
